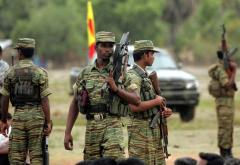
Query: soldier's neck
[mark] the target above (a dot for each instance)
(102, 63)
(141, 64)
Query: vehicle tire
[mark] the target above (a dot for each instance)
(187, 113)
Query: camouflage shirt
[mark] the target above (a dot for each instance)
(40, 76)
(142, 85)
(95, 80)
(3, 69)
(218, 73)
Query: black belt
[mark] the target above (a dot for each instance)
(100, 108)
(97, 116)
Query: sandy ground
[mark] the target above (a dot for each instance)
(181, 143)
(185, 139)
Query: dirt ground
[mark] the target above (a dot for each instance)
(182, 143)
(185, 139)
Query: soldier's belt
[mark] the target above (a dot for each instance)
(97, 116)
(100, 108)
(25, 106)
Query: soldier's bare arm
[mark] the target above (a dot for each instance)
(4, 125)
(130, 97)
(146, 105)
(46, 110)
(72, 116)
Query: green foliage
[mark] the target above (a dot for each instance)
(60, 29)
(55, 29)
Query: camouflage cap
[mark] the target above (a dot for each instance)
(25, 43)
(104, 36)
(144, 45)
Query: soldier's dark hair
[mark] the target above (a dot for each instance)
(102, 42)
(0, 49)
(137, 55)
(185, 161)
(85, 162)
(131, 161)
(27, 52)
(105, 161)
(97, 43)
(212, 158)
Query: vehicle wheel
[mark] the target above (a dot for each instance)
(186, 113)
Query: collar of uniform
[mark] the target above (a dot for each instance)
(26, 62)
(139, 68)
(108, 67)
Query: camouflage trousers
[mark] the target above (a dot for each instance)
(104, 138)
(26, 136)
(145, 143)
(225, 117)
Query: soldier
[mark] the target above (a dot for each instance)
(222, 87)
(104, 133)
(26, 85)
(145, 142)
(3, 69)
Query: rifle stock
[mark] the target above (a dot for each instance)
(158, 116)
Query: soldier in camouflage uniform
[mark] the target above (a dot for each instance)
(3, 69)
(26, 85)
(222, 87)
(145, 142)
(104, 133)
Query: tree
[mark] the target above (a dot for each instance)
(56, 30)
(175, 13)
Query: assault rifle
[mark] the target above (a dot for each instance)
(120, 62)
(120, 59)
(158, 117)
(225, 55)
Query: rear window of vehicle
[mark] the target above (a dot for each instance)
(162, 60)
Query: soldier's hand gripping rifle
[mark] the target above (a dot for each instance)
(159, 117)
(225, 54)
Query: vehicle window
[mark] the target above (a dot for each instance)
(162, 61)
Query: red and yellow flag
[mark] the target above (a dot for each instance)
(91, 32)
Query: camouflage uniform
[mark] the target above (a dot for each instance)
(144, 142)
(3, 69)
(104, 133)
(28, 119)
(224, 100)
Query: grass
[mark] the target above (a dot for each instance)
(185, 139)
